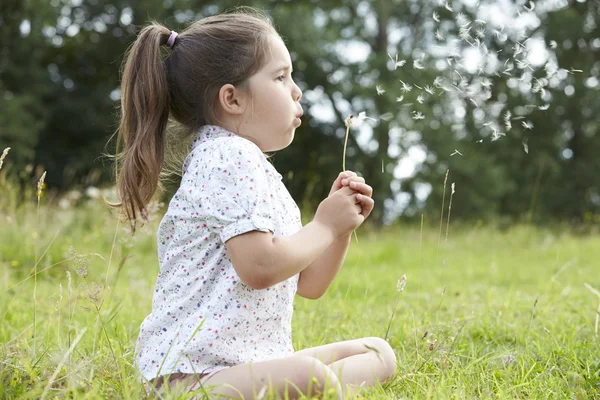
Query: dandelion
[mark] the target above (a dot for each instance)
(355, 121)
(527, 124)
(3, 156)
(436, 17)
(380, 90)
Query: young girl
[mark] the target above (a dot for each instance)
(232, 250)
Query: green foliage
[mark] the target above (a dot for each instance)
(60, 72)
(485, 313)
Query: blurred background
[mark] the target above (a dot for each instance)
(502, 94)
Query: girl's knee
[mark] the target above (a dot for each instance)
(385, 354)
(315, 374)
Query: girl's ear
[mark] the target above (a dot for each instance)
(232, 100)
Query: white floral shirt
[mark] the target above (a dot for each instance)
(204, 318)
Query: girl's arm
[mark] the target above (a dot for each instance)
(316, 278)
(262, 260)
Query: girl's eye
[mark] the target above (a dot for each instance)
(281, 78)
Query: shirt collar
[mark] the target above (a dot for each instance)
(208, 132)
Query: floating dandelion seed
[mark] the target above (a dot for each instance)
(496, 135)
(401, 284)
(3, 156)
(525, 147)
(399, 99)
(573, 70)
(480, 33)
(544, 107)
(439, 36)
(553, 44)
(380, 90)
(429, 90)
(417, 115)
(436, 17)
(447, 7)
(405, 87)
(507, 122)
(479, 141)
(397, 63)
(456, 152)
(420, 99)
(527, 124)
(462, 20)
(417, 64)
(387, 116)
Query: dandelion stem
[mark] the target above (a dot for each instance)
(346, 145)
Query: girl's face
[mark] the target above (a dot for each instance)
(273, 111)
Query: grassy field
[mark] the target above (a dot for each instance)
(485, 313)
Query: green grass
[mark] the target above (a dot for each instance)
(487, 314)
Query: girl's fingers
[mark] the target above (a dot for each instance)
(354, 178)
(367, 204)
(362, 188)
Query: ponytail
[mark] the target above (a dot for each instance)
(145, 103)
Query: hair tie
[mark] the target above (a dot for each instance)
(171, 40)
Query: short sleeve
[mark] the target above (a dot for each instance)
(236, 196)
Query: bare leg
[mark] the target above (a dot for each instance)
(295, 375)
(365, 361)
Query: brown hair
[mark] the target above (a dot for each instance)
(210, 53)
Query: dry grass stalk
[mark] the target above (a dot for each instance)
(3, 156)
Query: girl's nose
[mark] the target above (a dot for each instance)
(297, 93)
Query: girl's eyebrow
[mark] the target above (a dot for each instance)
(284, 68)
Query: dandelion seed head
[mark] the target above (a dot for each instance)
(401, 284)
(40, 185)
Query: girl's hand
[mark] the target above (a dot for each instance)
(337, 184)
(363, 192)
